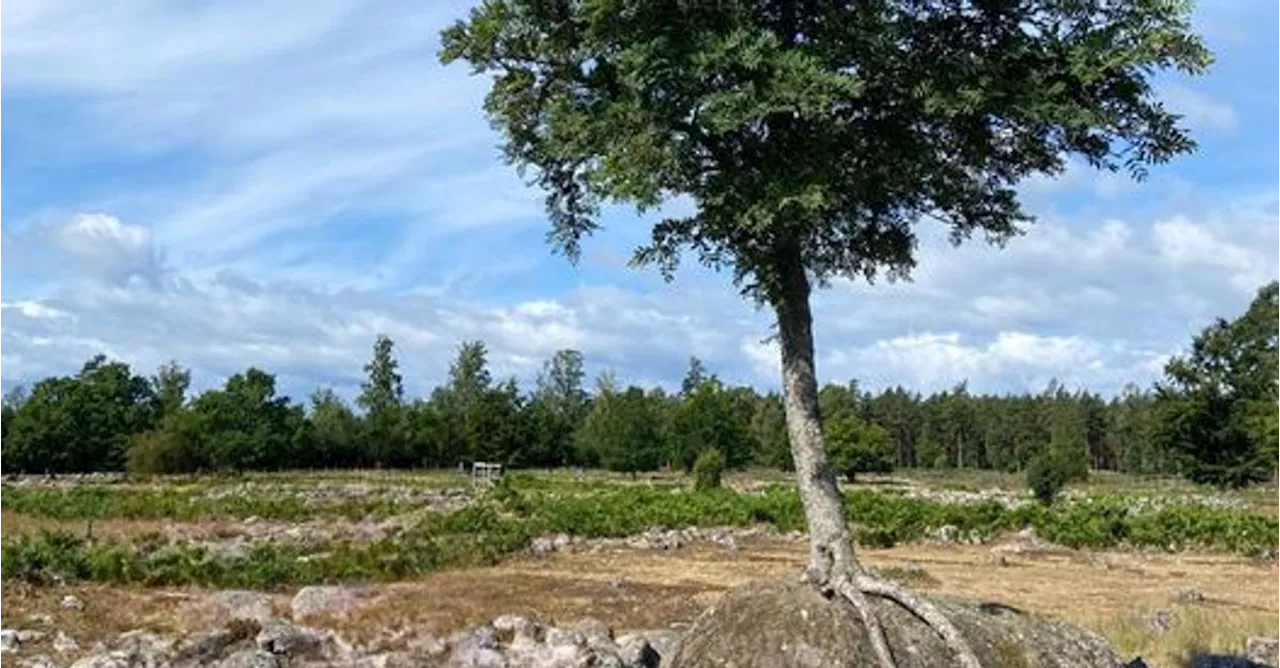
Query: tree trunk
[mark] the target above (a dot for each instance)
(830, 544)
(832, 564)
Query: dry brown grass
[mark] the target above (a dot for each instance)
(20, 524)
(1110, 592)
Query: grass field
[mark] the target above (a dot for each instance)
(1113, 553)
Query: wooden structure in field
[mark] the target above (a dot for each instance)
(485, 473)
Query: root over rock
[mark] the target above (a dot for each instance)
(792, 625)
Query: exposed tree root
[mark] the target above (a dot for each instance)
(875, 632)
(856, 588)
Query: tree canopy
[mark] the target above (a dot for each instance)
(820, 130)
(1218, 402)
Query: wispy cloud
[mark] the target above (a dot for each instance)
(275, 183)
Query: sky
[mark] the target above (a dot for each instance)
(274, 184)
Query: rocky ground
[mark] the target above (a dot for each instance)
(252, 636)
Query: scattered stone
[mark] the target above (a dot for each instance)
(663, 642)
(39, 661)
(1188, 596)
(111, 660)
(329, 600)
(1160, 621)
(635, 652)
(42, 618)
(1265, 651)
(947, 533)
(9, 640)
(1024, 542)
(593, 630)
(281, 637)
(233, 604)
(70, 602)
(250, 658)
(146, 647)
(30, 635)
(64, 643)
(510, 627)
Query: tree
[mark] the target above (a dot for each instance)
(244, 426)
(83, 422)
(811, 138)
(170, 385)
(694, 377)
(710, 417)
(455, 403)
(1217, 404)
(557, 408)
(382, 398)
(622, 431)
(382, 388)
(335, 431)
(769, 430)
(857, 446)
(9, 405)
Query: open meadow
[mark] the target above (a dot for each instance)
(1162, 568)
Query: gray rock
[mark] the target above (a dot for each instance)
(476, 657)
(39, 661)
(663, 642)
(30, 635)
(281, 637)
(1265, 651)
(204, 648)
(1188, 596)
(42, 618)
(533, 655)
(594, 631)
(70, 602)
(238, 604)
(542, 545)
(110, 660)
(328, 600)
(1160, 621)
(250, 658)
(476, 648)
(791, 625)
(9, 640)
(64, 643)
(510, 626)
(635, 652)
(145, 644)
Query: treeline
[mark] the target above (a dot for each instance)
(108, 418)
(1213, 419)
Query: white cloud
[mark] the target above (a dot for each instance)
(1184, 244)
(315, 178)
(89, 245)
(1200, 110)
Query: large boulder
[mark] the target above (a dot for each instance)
(326, 600)
(792, 625)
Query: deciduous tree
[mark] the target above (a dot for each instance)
(1218, 402)
(810, 138)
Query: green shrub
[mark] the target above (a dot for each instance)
(707, 469)
(1046, 476)
(859, 447)
(160, 451)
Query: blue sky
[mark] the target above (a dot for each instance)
(246, 183)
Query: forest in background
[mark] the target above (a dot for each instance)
(1212, 418)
